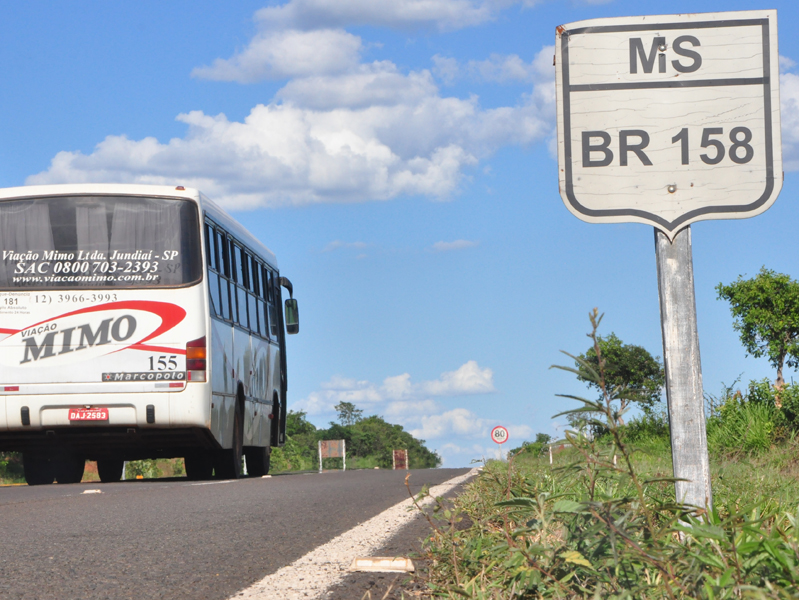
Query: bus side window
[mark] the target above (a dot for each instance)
(238, 265)
(241, 295)
(213, 264)
(252, 305)
(245, 269)
(272, 303)
(263, 330)
(255, 276)
(224, 298)
(222, 242)
(223, 259)
(262, 307)
(210, 246)
(213, 288)
(264, 282)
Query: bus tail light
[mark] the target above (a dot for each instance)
(195, 359)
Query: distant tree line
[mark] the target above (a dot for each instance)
(370, 442)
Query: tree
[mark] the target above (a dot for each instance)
(765, 312)
(631, 372)
(347, 413)
(298, 424)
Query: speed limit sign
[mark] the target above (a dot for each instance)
(499, 434)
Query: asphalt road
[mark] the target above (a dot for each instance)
(178, 539)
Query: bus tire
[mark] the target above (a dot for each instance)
(228, 461)
(37, 468)
(110, 469)
(257, 460)
(199, 466)
(68, 467)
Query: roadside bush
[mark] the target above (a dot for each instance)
(148, 469)
(11, 467)
(753, 420)
(743, 426)
(650, 428)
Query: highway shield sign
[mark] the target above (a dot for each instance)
(668, 120)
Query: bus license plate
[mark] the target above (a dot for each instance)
(88, 414)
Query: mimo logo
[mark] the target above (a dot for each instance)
(47, 341)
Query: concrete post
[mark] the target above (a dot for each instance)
(683, 368)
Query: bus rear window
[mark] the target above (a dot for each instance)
(98, 241)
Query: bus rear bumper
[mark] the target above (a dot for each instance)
(125, 443)
(154, 421)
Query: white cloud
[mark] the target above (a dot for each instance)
(338, 131)
(518, 434)
(397, 387)
(287, 53)
(338, 244)
(504, 68)
(786, 64)
(445, 68)
(468, 379)
(370, 85)
(405, 14)
(287, 154)
(411, 410)
(501, 69)
(789, 115)
(456, 245)
(398, 394)
(459, 421)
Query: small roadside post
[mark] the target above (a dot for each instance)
(669, 120)
(500, 435)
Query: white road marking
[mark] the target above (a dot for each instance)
(215, 482)
(309, 577)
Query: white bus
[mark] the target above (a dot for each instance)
(137, 322)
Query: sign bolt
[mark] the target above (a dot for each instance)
(672, 188)
(662, 47)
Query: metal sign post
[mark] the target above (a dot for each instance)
(500, 435)
(669, 120)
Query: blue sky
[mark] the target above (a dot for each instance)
(397, 157)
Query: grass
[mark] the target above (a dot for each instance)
(11, 473)
(514, 517)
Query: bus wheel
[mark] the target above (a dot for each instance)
(228, 462)
(38, 468)
(68, 467)
(110, 469)
(199, 467)
(257, 460)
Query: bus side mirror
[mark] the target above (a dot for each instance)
(292, 316)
